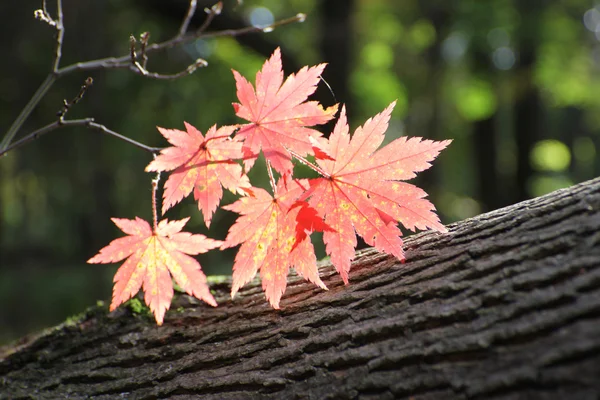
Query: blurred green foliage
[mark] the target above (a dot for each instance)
(458, 70)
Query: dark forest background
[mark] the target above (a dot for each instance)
(513, 83)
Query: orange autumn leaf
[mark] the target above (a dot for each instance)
(202, 165)
(153, 257)
(361, 192)
(267, 232)
(279, 114)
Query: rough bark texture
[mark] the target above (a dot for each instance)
(506, 305)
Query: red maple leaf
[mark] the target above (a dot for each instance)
(279, 114)
(267, 232)
(361, 193)
(152, 258)
(202, 164)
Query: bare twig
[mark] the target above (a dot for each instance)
(50, 79)
(141, 68)
(188, 17)
(85, 122)
(132, 53)
(43, 15)
(128, 61)
(99, 127)
(60, 33)
(189, 70)
(68, 104)
(125, 61)
(211, 14)
(144, 37)
(45, 10)
(26, 111)
(253, 29)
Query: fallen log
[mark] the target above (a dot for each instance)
(505, 305)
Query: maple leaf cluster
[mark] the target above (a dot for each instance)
(361, 190)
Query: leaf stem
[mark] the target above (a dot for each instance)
(271, 178)
(312, 166)
(154, 207)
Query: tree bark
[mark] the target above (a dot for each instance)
(505, 305)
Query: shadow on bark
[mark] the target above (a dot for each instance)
(506, 305)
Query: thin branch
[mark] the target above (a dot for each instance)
(253, 29)
(120, 62)
(212, 13)
(132, 53)
(68, 104)
(93, 125)
(188, 17)
(141, 68)
(125, 61)
(43, 15)
(86, 122)
(60, 33)
(189, 70)
(50, 79)
(26, 111)
(44, 8)
(144, 37)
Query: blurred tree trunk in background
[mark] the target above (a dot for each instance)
(85, 147)
(528, 105)
(336, 50)
(16, 80)
(439, 14)
(572, 127)
(490, 192)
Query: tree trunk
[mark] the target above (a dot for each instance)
(528, 103)
(505, 305)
